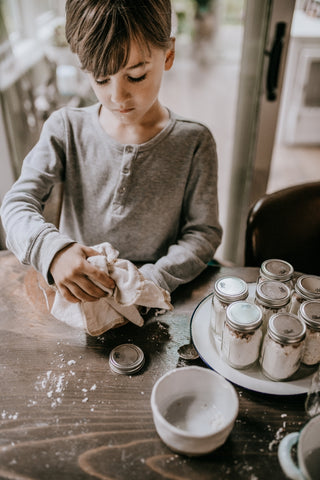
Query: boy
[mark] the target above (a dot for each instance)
(134, 173)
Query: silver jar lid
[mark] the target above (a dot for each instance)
(244, 316)
(231, 289)
(286, 328)
(126, 359)
(308, 286)
(309, 312)
(275, 269)
(272, 293)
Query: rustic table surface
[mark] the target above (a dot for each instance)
(65, 415)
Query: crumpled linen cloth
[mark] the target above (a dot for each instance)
(121, 304)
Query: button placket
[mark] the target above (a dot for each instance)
(128, 154)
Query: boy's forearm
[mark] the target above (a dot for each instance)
(184, 261)
(32, 240)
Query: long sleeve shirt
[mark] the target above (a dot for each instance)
(155, 202)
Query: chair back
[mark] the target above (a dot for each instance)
(286, 225)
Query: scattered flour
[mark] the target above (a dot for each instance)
(9, 416)
(280, 433)
(54, 385)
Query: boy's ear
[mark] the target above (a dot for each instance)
(170, 55)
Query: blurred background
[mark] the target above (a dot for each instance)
(249, 70)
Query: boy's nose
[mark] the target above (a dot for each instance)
(118, 92)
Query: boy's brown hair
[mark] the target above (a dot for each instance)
(100, 31)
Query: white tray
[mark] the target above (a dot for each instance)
(252, 378)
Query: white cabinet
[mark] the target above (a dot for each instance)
(299, 121)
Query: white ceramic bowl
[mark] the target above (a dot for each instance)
(194, 409)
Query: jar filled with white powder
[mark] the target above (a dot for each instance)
(272, 297)
(242, 335)
(282, 347)
(307, 287)
(279, 270)
(226, 291)
(309, 313)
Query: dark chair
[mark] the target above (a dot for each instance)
(286, 225)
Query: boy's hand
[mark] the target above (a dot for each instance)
(74, 275)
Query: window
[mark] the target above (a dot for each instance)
(23, 19)
(25, 27)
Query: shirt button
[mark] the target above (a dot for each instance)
(122, 189)
(129, 149)
(125, 170)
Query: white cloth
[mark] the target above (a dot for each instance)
(121, 304)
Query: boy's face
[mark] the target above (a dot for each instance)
(131, 95)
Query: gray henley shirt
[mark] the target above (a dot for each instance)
(156, 202)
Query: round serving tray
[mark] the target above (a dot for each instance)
(252, 378)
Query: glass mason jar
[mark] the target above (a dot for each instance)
(282, 347)
(226, 290)
(272, 297)
(278, 270)
(309, 313)
(242, 334)
(307, 287)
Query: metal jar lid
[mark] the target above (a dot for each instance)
(309, 312)
(244, 316)
(126, 359)
(275, 269)
(231, 289)
(272, 293)
(308, 286)
(286, 328)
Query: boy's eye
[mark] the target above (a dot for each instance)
(105, 81)
(137, 79)
(102, 82)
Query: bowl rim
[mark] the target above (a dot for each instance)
(183, 433)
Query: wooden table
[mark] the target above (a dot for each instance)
(65, 415)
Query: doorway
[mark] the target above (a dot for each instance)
(204, 85)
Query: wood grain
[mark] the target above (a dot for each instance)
(64, 415)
